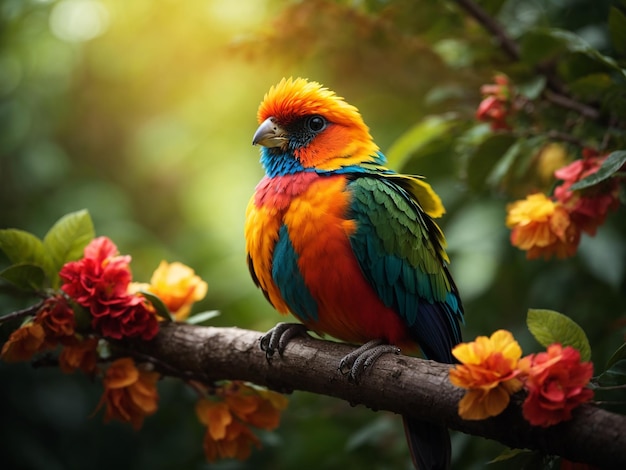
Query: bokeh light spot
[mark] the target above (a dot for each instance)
(79, 20)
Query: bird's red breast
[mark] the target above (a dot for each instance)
(314, 209)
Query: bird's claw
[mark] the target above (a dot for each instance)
(354, 364)
(276, 339)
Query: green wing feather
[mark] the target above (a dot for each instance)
(401, 252)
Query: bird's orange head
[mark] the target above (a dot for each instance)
(309, 123)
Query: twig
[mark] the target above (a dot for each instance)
(507, 44)
(33, 309)
(570, 103)
(555, 93)
(565, 137)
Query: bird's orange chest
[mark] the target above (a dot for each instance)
(311, 210)
(315, 217)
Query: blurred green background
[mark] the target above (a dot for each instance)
(143, 113)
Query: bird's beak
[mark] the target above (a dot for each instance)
(269, 134)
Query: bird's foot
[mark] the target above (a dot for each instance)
(354, 364)
(277, 338)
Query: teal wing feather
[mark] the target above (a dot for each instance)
(401, 252)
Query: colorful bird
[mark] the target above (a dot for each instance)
(347, 245)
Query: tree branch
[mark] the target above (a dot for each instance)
(508, 45)
(401, 384)
(32, 310)
(556, 94)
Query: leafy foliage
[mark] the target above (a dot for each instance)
(29, 255)
(147, 124)
(614, 162)
(548, 327)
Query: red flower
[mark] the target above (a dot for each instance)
(99, 278)
(492, 110)
(587, 208)
(99, 282)
(556, 382)
(129, 317)
(496, 104)
(57, 319)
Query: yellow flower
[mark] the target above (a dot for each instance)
(177, 286)
(488, 370)
(542, 227)
(549, 159)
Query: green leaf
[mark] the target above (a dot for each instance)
(617, 30)
(615, 375)
(618, 355)
(418, 137)
(541, 45)
(82, 316)
(574, 43)
(516, 163)
(368, 434)
(486, 157)
(158, 305)
(538, 46)
(202, 317)
(592, 86)
(24, 248)
(533, 87)
(67, 239)
(508, 454)
(25, 276)
(614, 101)
(548, 327)
(611, 165)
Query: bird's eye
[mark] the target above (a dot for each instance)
(316, 123)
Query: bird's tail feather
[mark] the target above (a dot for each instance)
(429, 444)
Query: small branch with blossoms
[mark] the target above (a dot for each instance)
(91, 306)
(584, 191)
(540, 105)
(130, 335)
(412, 387)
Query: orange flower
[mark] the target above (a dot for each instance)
(216, 416)
(556, 381)
(81, 355)
(258, 407)
(178, 287)
(542, 227)
(24, 343)
(236, 444)
(489, 372)
(225, 437)
(129, 393)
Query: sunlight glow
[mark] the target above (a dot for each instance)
(79, 20)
